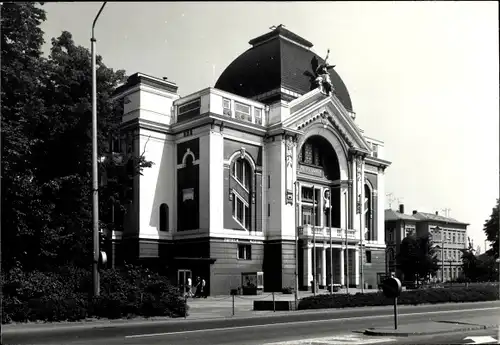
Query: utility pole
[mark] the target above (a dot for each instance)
(95, 176)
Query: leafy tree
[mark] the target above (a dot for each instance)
(417, 257)
(25, 215)
(491, 229)
(478, 268)
(46, 128)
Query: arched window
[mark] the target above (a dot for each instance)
(242, 172)
(163, 217)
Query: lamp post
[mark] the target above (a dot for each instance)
(95, 191)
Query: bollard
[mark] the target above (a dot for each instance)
(395, 313)
(185, 305)
(233, 305)
(274, 304)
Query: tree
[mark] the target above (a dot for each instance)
(417, 257)
(478, 268)
(491, 229)
(25, 215)
(46, 128)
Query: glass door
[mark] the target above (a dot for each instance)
(182, 279)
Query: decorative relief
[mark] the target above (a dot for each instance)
(242, 153)
(289, 151)
(289, 144)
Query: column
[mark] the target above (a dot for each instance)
(323, 266)
(342, 268)
(356, 267)
(307, 265)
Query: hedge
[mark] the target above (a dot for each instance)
(65, 295)
(478, 293)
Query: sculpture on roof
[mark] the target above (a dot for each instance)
(321, 75)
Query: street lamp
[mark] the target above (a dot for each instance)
(95, 191)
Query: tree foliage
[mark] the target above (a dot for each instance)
(46, 139)
(417, 257)
(491, 229)
(478, 268)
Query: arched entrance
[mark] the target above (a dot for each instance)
(321, 201)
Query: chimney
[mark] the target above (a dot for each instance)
(437, 213)
(401, 208)
(415, 211)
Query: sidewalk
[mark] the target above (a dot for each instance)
(437, 327)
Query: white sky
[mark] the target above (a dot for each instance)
(423, 76)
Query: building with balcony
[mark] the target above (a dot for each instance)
(448, 235)
(248, 173)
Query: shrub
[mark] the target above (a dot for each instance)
(287, 290)
(478, 293)
(64, 295)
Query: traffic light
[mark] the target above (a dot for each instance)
(103, 258)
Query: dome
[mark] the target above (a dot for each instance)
(278, 59)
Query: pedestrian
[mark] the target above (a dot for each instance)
(198, 288)
(203, 289)
(189, 287)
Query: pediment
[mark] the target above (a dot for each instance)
(315, 107)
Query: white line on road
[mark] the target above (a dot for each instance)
(348, 339)
(303, 322)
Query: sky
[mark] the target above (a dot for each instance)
(423, 77)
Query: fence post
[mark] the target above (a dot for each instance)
(185, 305)
(274, 304)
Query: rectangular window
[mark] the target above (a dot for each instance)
(368, 257)
(226, 107)
(191, 107)
(244, 252)
(453, 238)
(269, 210)
(307, 194)
(306, 215)
(268, 181)
(242, 112)
(257, 112)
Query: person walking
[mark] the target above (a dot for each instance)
(189, 287)
(203, 288)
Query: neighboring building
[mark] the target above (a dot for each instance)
(239, 166)
(399, 225)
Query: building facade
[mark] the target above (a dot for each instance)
(448, 235)
(263, 171)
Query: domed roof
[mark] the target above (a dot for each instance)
(278, 59)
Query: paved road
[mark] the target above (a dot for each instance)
(262, 330)
(470, 337)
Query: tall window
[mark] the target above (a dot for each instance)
(163, 217)
(226, 106)
(242, 172)
(258, 115)
(311, 154)
(241, 211)
(244, 252)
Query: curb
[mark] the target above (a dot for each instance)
(396, 333)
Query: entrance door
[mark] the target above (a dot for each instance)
(182, 279)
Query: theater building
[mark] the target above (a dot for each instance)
(271, 152)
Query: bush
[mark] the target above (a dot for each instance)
(65, 295)
(478, 293)
(287, 290)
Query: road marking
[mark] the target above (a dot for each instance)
(482, 340)
(349, 339)
(304, 322)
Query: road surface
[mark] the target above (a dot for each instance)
(341, 324)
